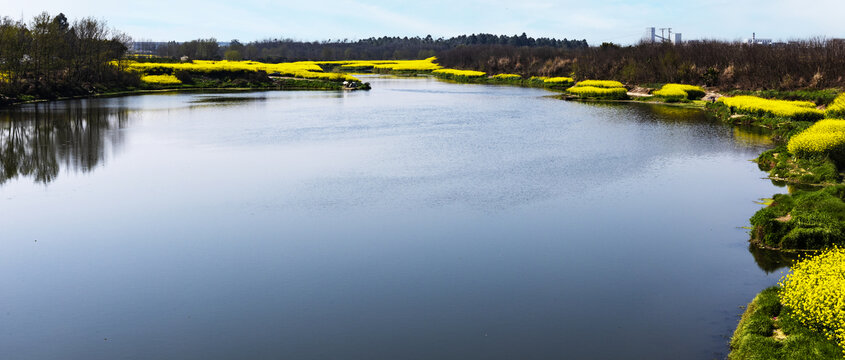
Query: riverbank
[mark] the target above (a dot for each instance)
(281, 84)
(767, 331)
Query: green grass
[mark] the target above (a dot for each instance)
(804, 220)
(754, 338)
(814, 170)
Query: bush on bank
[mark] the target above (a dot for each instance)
(814, 292)
(679, 92)
(769, 331)
(803, 220)
(760, 107)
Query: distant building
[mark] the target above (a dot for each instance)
(651, 36)
(754, 40)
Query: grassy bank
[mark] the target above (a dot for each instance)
(206, 85)
(768, 331)
(801, 318)
(802, 220)
(168, 74)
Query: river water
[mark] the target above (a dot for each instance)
(419, 220)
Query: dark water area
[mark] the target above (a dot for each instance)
(419, 220)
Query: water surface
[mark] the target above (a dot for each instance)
(419, 220)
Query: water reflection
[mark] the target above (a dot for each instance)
(227, 100)
(671, 113)
(772, 260)
(39, 140)
(660, 112)
(753, 135)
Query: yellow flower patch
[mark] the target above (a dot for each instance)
(815, 292)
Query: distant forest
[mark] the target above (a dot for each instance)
(815, 63)
(382, 48)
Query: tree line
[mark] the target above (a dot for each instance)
(814, 63)
(52, 56)
(374, 48)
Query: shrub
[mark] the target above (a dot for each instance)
(804, 220)
(507, 77)
(601, 83)
(754, 340)
(819, 97)
(599, 92)
(815, 292)
(837, 108)
(671, 94)
(680, 91)
(755, 106)
(184, 76)
(558, 82)
(826, 137)
(537, 80)
(454, 74)
(161, 79)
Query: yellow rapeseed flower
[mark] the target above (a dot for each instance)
(752, 105)
(609, 84)
(592, 91)
(680, 91)
(559, 79)
(407, 65)
(161, 79)
(507, 77)
(815, 292)
(837, 108)
(458, 74)
(823, 137)
(301, 69)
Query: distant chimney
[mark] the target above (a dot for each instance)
(678, 39)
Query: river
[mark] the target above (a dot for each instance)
(418, 220)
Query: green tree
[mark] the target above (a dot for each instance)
(232, 55)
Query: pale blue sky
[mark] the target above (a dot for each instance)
(612, 20)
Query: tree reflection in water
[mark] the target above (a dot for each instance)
(39, 140)
(772, 260)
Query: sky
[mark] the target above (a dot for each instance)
(622, 22)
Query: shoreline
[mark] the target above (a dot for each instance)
(273, 83)
(112, 94)
(766, 330)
